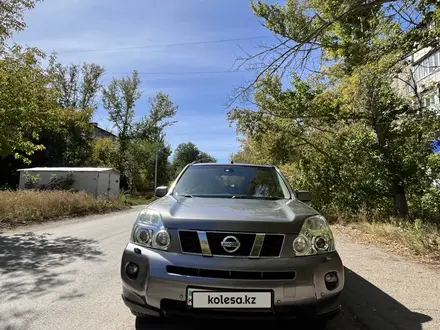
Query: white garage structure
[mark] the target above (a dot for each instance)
(97, 181)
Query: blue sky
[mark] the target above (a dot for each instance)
(93, 30)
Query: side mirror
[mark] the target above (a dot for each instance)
(161, 191)
(303, 195)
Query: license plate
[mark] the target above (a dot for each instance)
(198, 298)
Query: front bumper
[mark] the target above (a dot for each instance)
(157, 292)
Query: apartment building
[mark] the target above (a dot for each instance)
(422, 77)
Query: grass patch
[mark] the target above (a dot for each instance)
(416, 238)
(22, 207)
(137, 200)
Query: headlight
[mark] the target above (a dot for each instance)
(315, 237)
(149, 231)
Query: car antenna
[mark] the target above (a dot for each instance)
(232, 162)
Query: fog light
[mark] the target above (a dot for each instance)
(331, 277)
(331, 280)
(132, 269)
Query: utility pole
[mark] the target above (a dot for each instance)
(155, 165)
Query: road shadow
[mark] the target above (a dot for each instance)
(16, 319)
(376, 309)
(166, 324)
(33, 264)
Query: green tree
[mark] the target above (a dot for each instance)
(314, 124)
(403, 131)
(144, 158)
(105, 153)
(346, 32)
(162, 110)
(70, 144)
(186, 153)
(27, 104)
(152, 128)
(119, 99)
(11, 17)
(78, 85)
(360, 46)
(141, 155)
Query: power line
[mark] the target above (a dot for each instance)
(157, 46)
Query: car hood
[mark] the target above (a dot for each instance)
(228, 214)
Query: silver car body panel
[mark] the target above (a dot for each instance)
(228, 214)
(154, 283)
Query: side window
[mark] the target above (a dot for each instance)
(286, 191)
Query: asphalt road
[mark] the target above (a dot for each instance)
(65, 275)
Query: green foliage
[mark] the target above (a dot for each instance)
(141, 155)
(186, 153)
(11, 17)
(344, 132)
(346, 32)
(27, 105)
(46, 114)
(356, 145)
(32, 181)
(430, 203)
(119, 99)
(162, 109)
(76, 134)
(77, 85)
(105, 153)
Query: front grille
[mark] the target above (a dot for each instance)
(272, 245)
(251, 244)
(190, 242)
(226, 274)
(246, 244)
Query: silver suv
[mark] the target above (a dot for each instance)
(231, 240)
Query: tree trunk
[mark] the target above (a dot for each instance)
(400, 202)
(392, 165)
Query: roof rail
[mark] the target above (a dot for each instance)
(195, 162)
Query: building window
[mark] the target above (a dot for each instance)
(430, 100)
(427, 66)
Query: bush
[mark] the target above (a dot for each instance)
(415, 237)
(137, 198)
(29, 206)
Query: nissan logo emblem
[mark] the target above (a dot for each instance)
(230, 244)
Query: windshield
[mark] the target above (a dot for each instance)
(232, 182)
